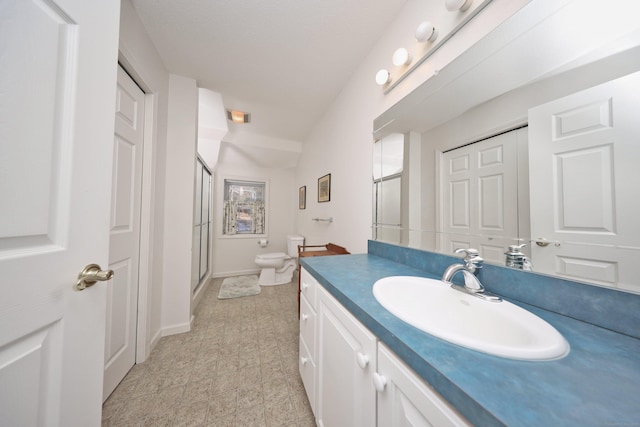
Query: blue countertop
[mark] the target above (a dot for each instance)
(596, 384)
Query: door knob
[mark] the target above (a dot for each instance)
(91, 274)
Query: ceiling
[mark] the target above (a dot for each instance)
(283, 61)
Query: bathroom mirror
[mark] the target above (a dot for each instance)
(480, 107)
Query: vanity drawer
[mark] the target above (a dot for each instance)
(308, 287)
(308, 325)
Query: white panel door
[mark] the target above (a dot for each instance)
(124, 235)
(479, 194)
(583, 154)
(57, 82)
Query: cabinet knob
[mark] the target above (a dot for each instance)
(379, 382)
(304, 317)
(304, 286)
(363, 360)
(303, 360)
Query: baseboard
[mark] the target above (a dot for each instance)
(200, 290)
(154, 342)
(235, 273)
(176, 329)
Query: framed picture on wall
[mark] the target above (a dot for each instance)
(324, 188)
(302, 197)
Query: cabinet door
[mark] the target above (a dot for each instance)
(308, 326)
(406, 400)
(308, 370)
(308, 338)
(346, 361)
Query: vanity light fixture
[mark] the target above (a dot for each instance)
(382, 77)
(401, 57)
(457, 5)
(426, 32)
(237, 116)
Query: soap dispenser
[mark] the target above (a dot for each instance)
(517, 259)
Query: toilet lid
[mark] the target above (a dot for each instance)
(272, 255)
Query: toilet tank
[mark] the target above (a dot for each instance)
(293, 240)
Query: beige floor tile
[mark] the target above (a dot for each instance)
(250, 395)
(301, 406)
(191, 414)
(275, 389)
(249, 358)
(225, 382)
(238, 367)
(272, 370)
(198, 390)
(224, 421)
(280, 412)
(133, 412)
(222, 404)
(251, 417)
(159, 420)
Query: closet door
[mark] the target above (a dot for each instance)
(480, 196)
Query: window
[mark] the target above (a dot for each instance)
(244, 211)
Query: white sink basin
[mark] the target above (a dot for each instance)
(498, 328)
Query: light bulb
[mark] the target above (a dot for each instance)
(401, 57)
(455, 5)
(426, 32)
(382, 77)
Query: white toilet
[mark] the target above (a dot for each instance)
(278, 267)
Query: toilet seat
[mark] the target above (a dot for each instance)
(271, 260)
(272, 255)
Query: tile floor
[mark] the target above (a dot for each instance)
(238, 367)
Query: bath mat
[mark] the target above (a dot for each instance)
(239, 286)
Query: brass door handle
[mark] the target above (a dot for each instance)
(91, 274)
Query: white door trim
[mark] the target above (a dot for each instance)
(144, 341)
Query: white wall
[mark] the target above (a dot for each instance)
(235, 255)
(141, 60)
(178, 207)
(212, 125)
(341, 142)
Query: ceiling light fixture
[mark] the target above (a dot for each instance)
(238, 116)
(382, 77)
(401, 57)
(426, 32)
(457, 5)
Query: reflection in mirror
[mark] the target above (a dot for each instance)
(551, 164)
(388, 158)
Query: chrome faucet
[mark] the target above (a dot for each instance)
(472, 286)
(515, 258)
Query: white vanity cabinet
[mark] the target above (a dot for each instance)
(308, 339)
(404, 399)
(346, 362)
(353, 380)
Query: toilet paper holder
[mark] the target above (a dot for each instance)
(263, 243)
